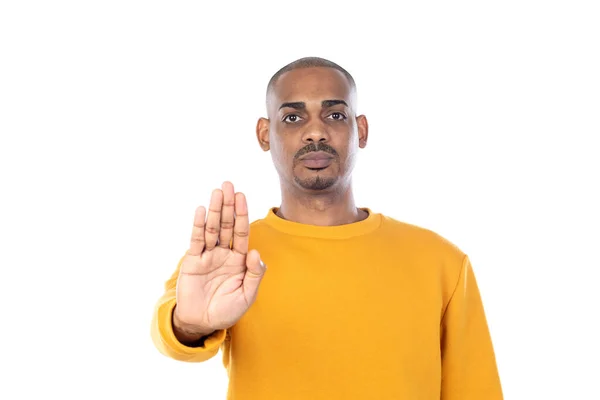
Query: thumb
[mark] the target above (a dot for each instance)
(255, 270)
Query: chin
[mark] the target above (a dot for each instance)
(315, 183)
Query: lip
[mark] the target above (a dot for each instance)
(317, 156)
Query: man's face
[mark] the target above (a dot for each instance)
(313, 132)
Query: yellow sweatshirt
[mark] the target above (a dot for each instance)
(377, 309)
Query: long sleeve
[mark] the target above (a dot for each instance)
(469, 370)
(162, 329)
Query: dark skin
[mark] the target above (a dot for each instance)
(312, 113)
(310, 110)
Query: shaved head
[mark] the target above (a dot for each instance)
(309, 62)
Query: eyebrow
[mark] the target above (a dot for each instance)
(331, 103)
(300, 105)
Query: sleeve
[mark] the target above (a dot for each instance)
(469, 370)
(163, 336)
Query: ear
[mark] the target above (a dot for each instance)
(262, 134)
(363, 131)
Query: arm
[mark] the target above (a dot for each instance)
(469, 370)
(170, 341)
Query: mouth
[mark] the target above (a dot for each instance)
(317, 164)
(317, 161)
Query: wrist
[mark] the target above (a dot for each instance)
(188, 333)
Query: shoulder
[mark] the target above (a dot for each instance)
(426, 249)
(259, 228)
(257, 224)
(421, 239)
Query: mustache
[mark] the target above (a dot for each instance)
(314, 147)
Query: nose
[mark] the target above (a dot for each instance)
(315, 132)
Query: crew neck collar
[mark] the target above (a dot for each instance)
(345, 231)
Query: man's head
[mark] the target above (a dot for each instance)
(312, 130)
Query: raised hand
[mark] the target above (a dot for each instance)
(219, 277)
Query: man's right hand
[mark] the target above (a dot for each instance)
(218, 278)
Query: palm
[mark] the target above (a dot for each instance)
(219, 277)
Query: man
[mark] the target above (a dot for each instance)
(355, 305)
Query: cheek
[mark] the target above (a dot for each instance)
(276, 143)
(353, 135)
(348, 150)
(348, 142)
(281, 151)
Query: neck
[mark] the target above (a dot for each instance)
(332, 208)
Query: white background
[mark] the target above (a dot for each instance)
(117, 119)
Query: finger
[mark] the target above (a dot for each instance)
(211, 232)
(197, 241)
(241, 225)
(226, 230)
(255, 270)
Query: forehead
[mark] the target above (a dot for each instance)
(316, 83)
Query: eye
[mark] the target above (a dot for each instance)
(292, 118)
(337, 116)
